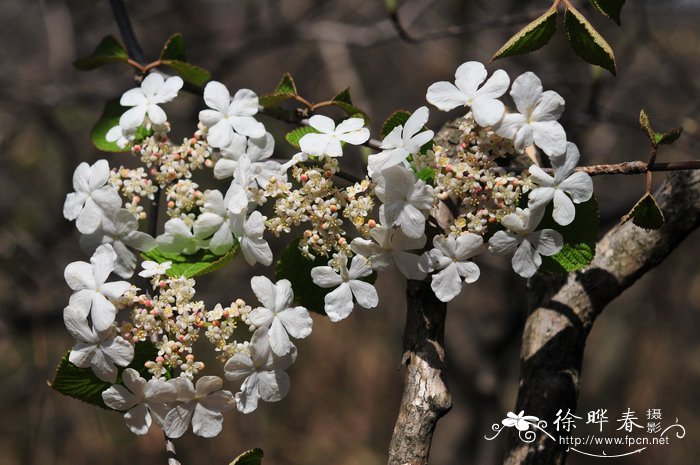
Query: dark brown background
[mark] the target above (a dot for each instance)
(643, 353)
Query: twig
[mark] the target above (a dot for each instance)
(170, 451)
(121, 17)
(630, 167)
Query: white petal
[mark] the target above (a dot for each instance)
(503, 243)
(224, 168)
(468, 77)
(524, 138)
(238, 366)
(261, 317)
(152, 83)
(119, 398)
(279, 339)
(314, 144)
(325, 276)
(133, 117)
(90, 217)
(547, 241)
(247, 126)
(550, 137)
(358, 137)
(79, 275)
(256, 250)
(103, 312)
(445, 96)
(138, 419)
(297, 322)
(350, 125)
(115, 289)
(526, 92)
(338, 304)
(273, 385)
(322, 123)
(468, 245)
(77, 325)
(509, 125)
(540, 197)
(415, 122)
(132, 98)
(365, 293)
(156, 114)
(169, 89)
(245, 103)
(469, 271)
(118, 351)
(103, 368)
(579, 186)
(216, 96)
(206, 423)
(210, 117)
(549, 108)
(564, 210)
(487, 111)
(526, 260)
(539, 177)
(407, 263)
(264, 290)
(221, 134)
(178, 420)
(73, 205)
(447, 283)
(412, 221)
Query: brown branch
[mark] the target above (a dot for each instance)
(170, 451)
(564, 312)
(426, 398)
(628, 167)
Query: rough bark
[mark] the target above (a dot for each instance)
(426, 398)
(564, 312)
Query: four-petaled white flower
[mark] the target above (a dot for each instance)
(278, 315)
(484, 103)
(228, 118)
(93, 198)
(391, 248)
(214, 222)
(264, 373)
(202, 405)
(88, 280)
(338, 303)
(327, 141)
(522, 239)
(257, 151)
(537, 121)
(451, 255)
(521, 421)
(142, 400)
(178, 238)
(101, 351)
(406, 201)
(151, 269)
(249, 233)
(121, 230)
(578, 185)
(144, 100)
(402, 141)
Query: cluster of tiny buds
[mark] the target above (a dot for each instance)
(133, 185)
(360, 203)
(182, 198)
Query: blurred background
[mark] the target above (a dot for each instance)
(643, 353)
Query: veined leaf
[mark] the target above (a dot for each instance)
(530, 38)
(343, 101)
(646, 213)
(610, 8)
(645, 123)
(189, 266)
(188, 72)
(110, 50)
(397, 118)
(295, 135)
(657, 138)
(285, 90)
(174, 48)
(587, 42)
(250, 457)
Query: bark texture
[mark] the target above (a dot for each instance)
(426, 397)
(564, 310)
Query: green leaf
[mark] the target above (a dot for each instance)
(82, 384)
(295, 267)
(530, 38)
(191, 73)
(189, 266)
(587, 42)
(295, 135)
(110, 50)
(251, 457)
(270, 100)
(109, 118)
(668, 137)
(579, 239)
(610, 8)
(426, 174)
(174, 48)
(286, 85)
(397, 118)
(646, 213)
(344, 102)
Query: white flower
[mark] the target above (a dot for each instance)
(264, 373)
(527, 243)
(451, 255)
(141, 400)
(578, 185)
(100, 350)
(257, 151)
(121, 231)
(402, 141)
(151, 269)
(93, 198)
(178, 238)
(278, 315)
(214, 222)
(338, 303)
(88, 280)
(249, 233)
(238, 196)
(154, 90)
(329, 137)
(521, 421)
(202, 405)
(390, 248)
(406, 201)
(120, 136)
(537, 121)
(229, 118)
(484, 103)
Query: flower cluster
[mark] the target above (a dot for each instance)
(494, 206)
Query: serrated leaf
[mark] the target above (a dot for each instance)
(108, 119)
(83, 384)
(295, 135)
(174, 48)
(646, 213)
(110, 50)
(587, 42)
(295, 267)
(397, 118)
(530, 38)
(668, 137)
(579, 239)
(250, 457)
(343, 96)
(610, 8)
(193, 74)
(286, 85)
(189, 266)
(645, 123)
(343, 100)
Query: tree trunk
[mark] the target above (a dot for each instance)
(426, 397)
